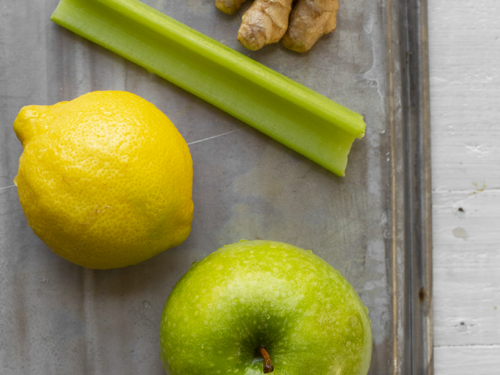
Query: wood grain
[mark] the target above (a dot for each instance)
(467, 360)
(464, 44)
(467, 268)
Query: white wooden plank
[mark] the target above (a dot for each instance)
(464, 45)
(466, 267)
(468, 360)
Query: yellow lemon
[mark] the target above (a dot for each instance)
(105, 180)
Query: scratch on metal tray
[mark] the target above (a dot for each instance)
(215, 136)
(7, 187)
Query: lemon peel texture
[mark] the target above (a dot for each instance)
(105, 180)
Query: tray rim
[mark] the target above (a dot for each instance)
(411, 187)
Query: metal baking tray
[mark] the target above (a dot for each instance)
(374, 225)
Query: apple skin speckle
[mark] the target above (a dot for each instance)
(264, 293)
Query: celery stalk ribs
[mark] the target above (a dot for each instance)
(285, 110)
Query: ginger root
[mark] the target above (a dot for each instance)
(267, 21)
(228, 6)
(309, 20)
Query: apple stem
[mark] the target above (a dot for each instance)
(268, 365)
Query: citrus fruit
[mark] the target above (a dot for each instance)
(105, 180)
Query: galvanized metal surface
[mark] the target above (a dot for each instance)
(373, 225)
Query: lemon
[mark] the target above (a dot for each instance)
(105, 180)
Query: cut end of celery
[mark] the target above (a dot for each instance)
(341, 148)
(292, 114)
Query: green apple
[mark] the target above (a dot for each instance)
(257, 305)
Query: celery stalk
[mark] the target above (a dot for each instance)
(292, 114)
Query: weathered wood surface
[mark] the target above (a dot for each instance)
(464, 42)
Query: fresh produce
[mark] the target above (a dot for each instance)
(266, 22)
(262, 306)
(292, 114)
(104, 180)
(309, 20)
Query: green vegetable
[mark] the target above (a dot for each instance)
(292, 114)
